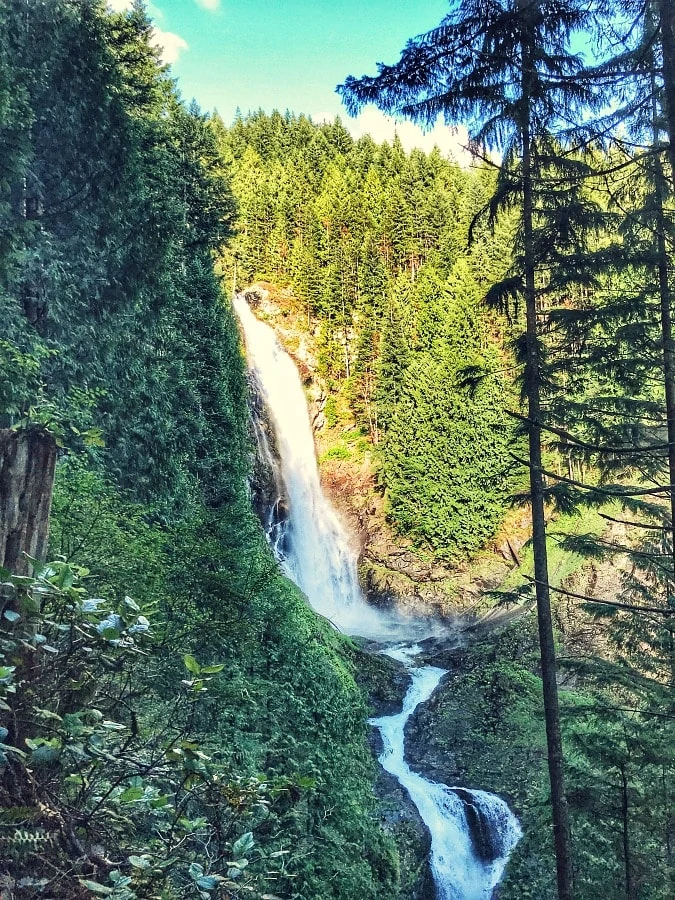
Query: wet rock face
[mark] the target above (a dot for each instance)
(267, 494)
(405, 562)
(386, 682)
(398, 815)
(256, 295)
(486, 839)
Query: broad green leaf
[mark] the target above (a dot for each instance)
(195, 871)
(243, 845)
(112, 726)
(191, 664)
(44, 755)
(97, 888)
(130, 795)
(110, 634)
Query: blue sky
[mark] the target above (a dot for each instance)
(290, 54)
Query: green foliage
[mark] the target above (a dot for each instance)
(374, 242)
(445, 446)
(205, 738)
(83, 759)
(21, 380)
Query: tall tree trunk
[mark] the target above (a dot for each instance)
(27, 463)
(627, 857)
(666, 10)
(561, 826)
(667, 343)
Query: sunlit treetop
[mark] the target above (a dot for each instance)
(472, 69)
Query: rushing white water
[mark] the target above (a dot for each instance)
(458, 869)
(472, 832)
(311, 543)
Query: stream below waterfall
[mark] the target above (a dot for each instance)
(472, 832)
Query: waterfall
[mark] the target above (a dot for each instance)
(309, 540)
(472, 832)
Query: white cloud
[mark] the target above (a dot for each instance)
(123, 5)
(211, 5)
(170, 44)
(450, 141)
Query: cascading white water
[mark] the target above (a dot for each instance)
(457, 867)
(313, 550)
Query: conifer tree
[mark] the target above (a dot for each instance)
(634, 291)
(505, 69)
(666, 15)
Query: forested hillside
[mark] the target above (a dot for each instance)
(175, 721)
(576, 102)
(374, 243)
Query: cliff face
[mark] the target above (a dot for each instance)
(393, 572)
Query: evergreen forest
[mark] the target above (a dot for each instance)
(491, 353)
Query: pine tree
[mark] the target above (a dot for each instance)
(505, 69)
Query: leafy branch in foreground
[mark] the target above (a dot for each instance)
(91, 797)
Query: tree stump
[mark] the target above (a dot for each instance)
(27, 463)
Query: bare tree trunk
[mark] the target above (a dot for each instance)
(667, 19)
(561, 824)
(27, 463)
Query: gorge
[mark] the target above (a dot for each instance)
(176, 719)
(472, 832)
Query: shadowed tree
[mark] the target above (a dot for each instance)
(504, 69)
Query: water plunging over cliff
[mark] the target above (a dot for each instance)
(472, 832)
(308, 539)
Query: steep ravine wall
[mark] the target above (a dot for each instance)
(392, 570)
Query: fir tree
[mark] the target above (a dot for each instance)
(506, 70)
